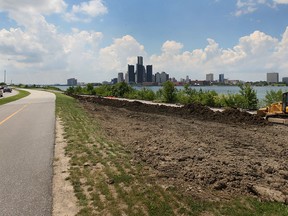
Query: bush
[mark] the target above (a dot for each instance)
(143, 94)
(104, 90)
(249, 95)
(273, 96)
(169, 92)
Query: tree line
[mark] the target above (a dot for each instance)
(246, 98)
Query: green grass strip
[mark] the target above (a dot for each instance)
(20, 95)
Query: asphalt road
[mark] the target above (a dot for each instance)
(27, 129)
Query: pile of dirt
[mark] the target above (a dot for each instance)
(211, 160)
(194, 110)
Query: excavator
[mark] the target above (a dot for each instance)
(276, 112)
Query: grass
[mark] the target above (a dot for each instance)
(106, 182)
(20, 95)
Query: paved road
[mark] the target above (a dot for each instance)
(26, 154)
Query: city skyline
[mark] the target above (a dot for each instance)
(49, 41)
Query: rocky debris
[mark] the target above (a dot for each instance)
(268, 194)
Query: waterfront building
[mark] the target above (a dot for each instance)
(210, 77)
(120, 77)
(114, 81)
(131, 74)
(140, 70)
(164, 77)
(140, 60)
(157, 77)
(221, 78)
(149, 71)
(273, 77)
(72, 82)
(285, 80)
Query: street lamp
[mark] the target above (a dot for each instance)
(4, 76)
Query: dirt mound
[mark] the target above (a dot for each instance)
(194, 110)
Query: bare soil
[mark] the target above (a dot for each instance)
(205, 154)
(64, 200)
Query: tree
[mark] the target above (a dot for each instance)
(249, 95)
(273, 96)
(169, 92)
(120, 89)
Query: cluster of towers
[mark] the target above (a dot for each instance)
(141, 74)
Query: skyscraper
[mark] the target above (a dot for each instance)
(149, 71)
(140, 60)
(131, 74)
(140, 70)
(120, 77)
(221, 78)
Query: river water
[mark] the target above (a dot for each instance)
(261, 90)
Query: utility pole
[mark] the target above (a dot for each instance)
(4, 76)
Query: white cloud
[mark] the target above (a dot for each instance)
(250, 6)
(34, 6)
(258, 53)
(90, 9)
(123, 51)
(172, 47)
(281, 1)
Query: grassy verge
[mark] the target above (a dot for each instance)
(20, 95)
(107, 181)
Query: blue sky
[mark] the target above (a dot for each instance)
(51, 41)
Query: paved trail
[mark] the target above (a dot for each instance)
(26, 152)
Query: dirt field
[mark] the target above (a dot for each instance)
(208, 155)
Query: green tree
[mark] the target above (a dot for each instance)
(120, 89)
(70, 90)
(169, 92)
(249, 95)
(273, 96)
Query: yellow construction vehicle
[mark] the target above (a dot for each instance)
(276, 112)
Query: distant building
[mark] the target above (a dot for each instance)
(285, 80)
(120, 77)
(149, 71)
(114, 81)
(273, 77)
(164, 77)
(221, 78)
(140, 70)
(210, 77)
(131, 74)
(72, 82)
(157, 77)
(140, 60)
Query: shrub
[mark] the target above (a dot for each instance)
(249, 95)
(169, 92)
(273, 96)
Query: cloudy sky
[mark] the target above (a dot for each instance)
(49, 41)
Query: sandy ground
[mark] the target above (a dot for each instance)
(64, 200)
(215, 158)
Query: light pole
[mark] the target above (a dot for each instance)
(4, 76)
